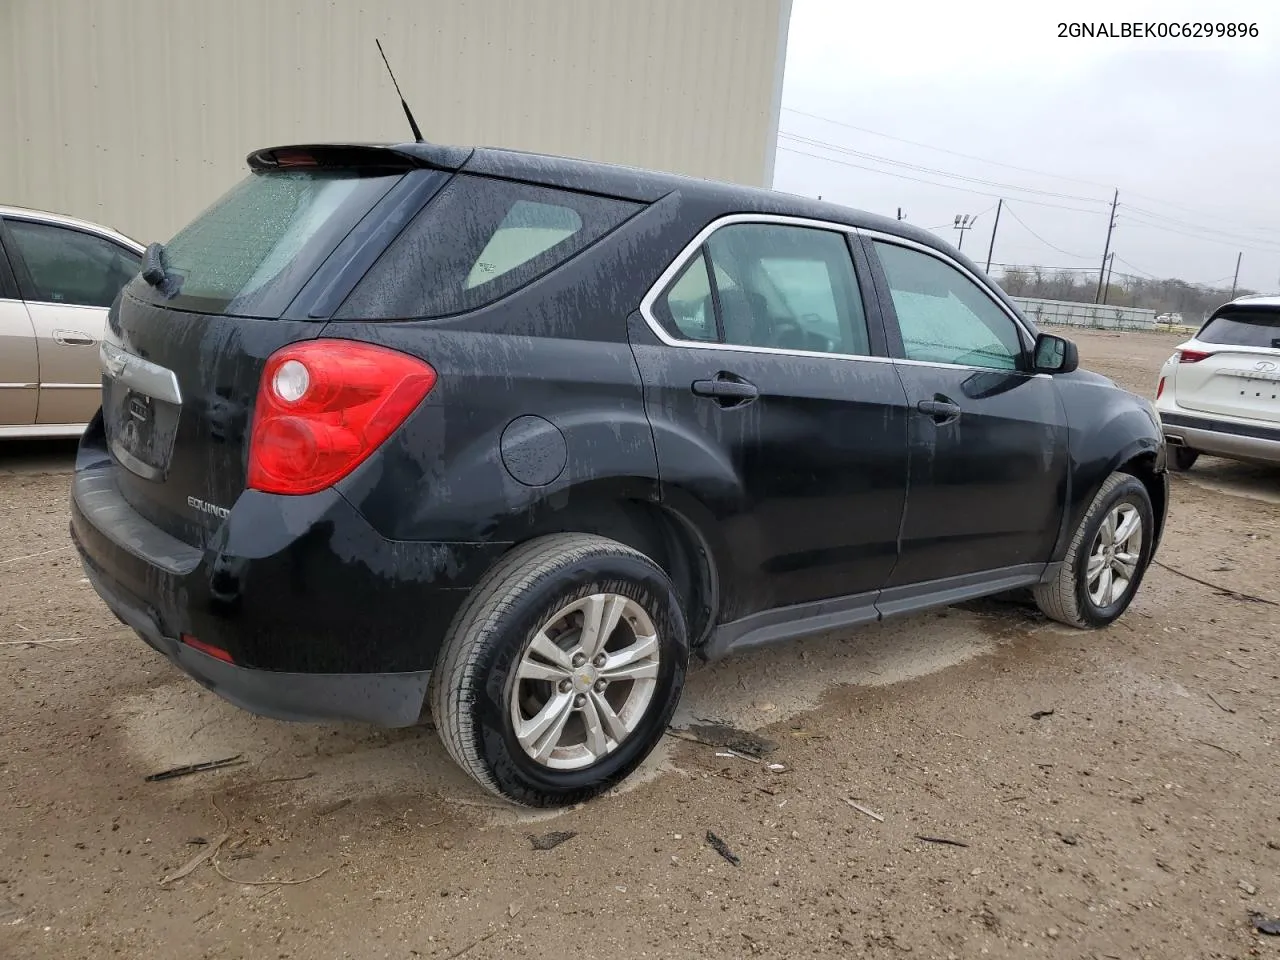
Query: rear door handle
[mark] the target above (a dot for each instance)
(940, 409)
(727, 389)
(73, 338)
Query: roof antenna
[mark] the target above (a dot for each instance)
(413, 124)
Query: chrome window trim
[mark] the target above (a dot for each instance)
(71, 386)
(690, 249)
(18, 386)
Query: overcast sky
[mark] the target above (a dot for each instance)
(1188, 130)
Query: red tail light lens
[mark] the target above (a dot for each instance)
(1160, 388)
(1193, 356)
(324, 406)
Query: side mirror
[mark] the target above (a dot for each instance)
(1055, 354)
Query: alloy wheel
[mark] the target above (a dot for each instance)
(1114, 556)
(584, 681)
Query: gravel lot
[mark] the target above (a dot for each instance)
(1141, 818)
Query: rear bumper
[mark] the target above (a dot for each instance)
(386, 699)
(321, 617)
(1223, 438)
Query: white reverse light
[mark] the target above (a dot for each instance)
(291, 381)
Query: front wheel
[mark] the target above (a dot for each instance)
(561, 671)
(1108, 556)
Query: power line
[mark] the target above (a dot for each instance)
(954, 153)
(1012, 213)
(1198, 226)
(1145, 273)
(1043, 173)
(932, 183)
(1201, 213)
(1205, 234)
(934, 171)
(1267, 250)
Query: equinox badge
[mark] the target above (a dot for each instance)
(203, 506)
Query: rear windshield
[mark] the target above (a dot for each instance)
(1243, 328)
(252, 251)
(479, 240)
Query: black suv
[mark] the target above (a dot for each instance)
(511, 436)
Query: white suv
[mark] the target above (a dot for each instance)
(1220, 391)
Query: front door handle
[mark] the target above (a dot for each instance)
(73, 338)
(940, 409)
(727, 389)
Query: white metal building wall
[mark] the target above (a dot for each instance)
(138, 113)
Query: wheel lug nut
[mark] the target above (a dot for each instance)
(580, 700)
(566, 686)
(600, 660)
(579, 659)
(600, 685)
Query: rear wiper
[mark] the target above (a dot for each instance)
(153, 265)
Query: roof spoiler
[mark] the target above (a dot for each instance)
(368, 157)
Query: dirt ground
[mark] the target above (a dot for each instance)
(1140, 818)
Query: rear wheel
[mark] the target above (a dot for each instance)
(1107, 558)
(1183, 458)
(561, 672)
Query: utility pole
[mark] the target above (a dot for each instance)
(1111, 225)
(994, 227)
(964, 222)
(1106, 287)
(1236, 278)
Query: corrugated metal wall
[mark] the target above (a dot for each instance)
(138, 113)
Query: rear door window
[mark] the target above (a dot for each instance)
(252, 251)
(789, 288)
(1243, 328)
(70, 266)
(479, 240)
(776, 287)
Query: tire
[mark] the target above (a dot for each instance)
(1068, 597)
(481, 689)
(1183, 458)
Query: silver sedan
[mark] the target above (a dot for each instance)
(58, 276)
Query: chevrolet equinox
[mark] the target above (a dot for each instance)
(508, 438)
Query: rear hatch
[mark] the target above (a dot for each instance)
(1233, 367)
(183, 356)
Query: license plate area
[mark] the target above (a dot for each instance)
(140, 429)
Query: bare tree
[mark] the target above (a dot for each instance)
(1193, 301)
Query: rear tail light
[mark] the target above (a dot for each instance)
(1193, 356)
(1160, 388)
(324, 406)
